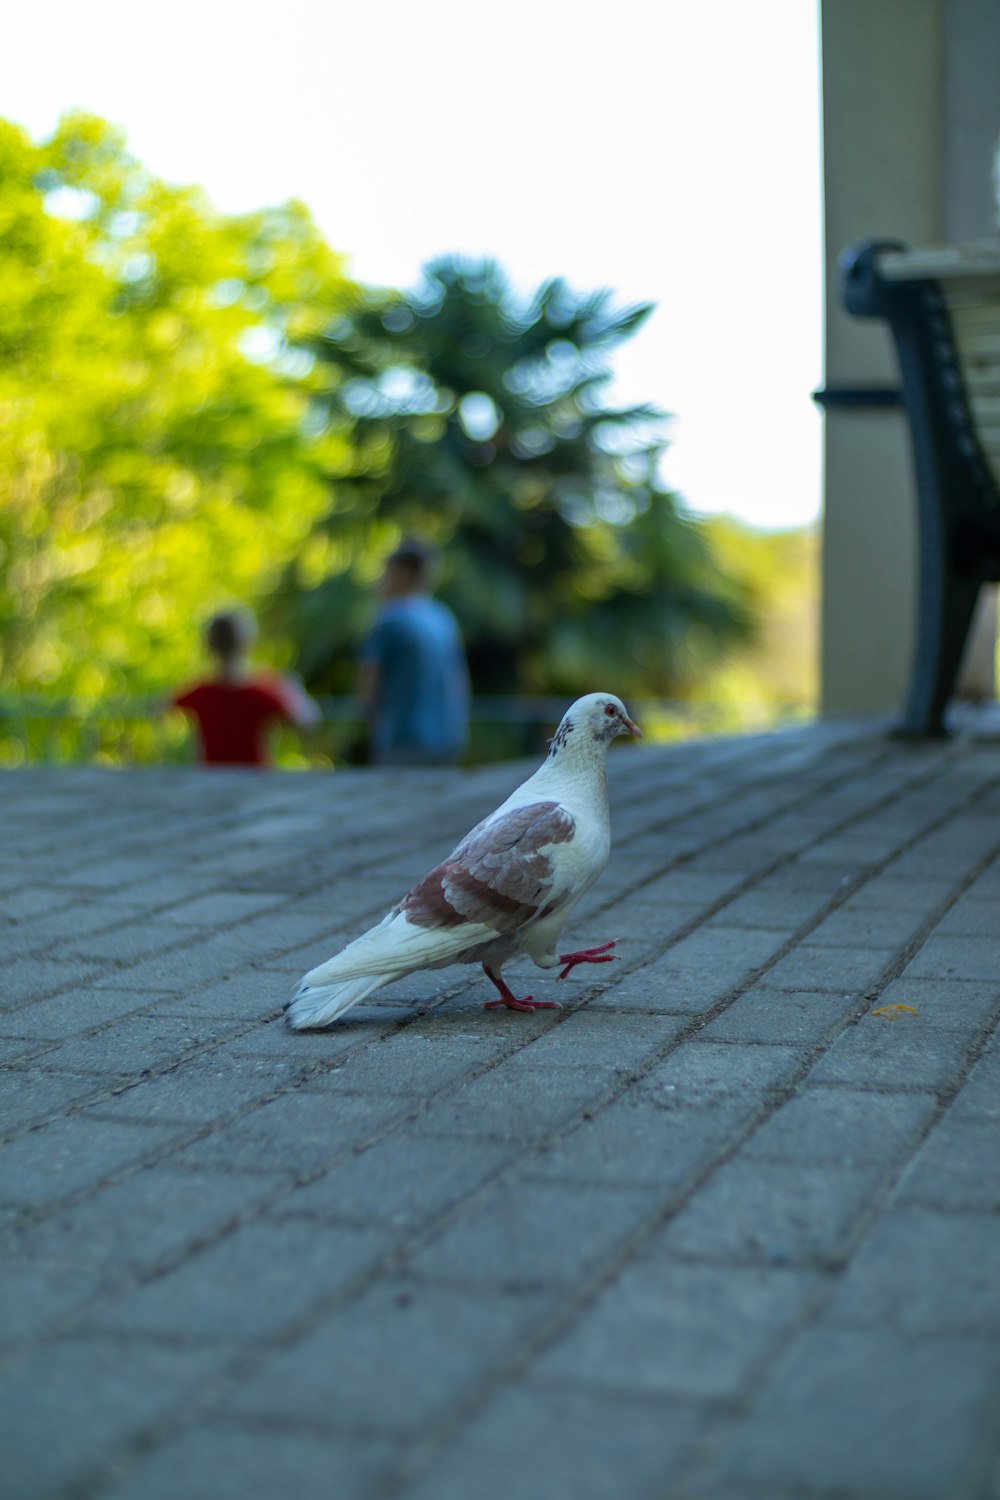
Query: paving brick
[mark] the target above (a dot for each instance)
(27, 979)
(957, 958)
(66, 1407)
(443, 1342)
(295, 1133)
(763, 1014)
(698, 888)
(107, 874)
(637, 929)
(897, 1050)
(986, 885)
(679, 1330)
(67, 1156)
(849, 1126)
(892, 891)
(36, 1296)
(32, 1096)
(934, 859)
(127, 943)
(407, 1064)
(39, 935)
(252, 995)
(735, 856)
(737, 950)
(660, 991)
(272, 1043)
(398, 1183)
(897, 1280)
(814, 967)
(665, 1122)
(187, 967)
(133, 1225)
(27, 902)
(599, 1038)
(820, 878)
(958, 1166)
(220, 1463)
(545, 1443)
(635, 1142)
(221, 908)
(705, 1075)
(74, 1012)
(853, 926)
(962, 1005)
(695, 973)
(532, 1234)
(971, 916)
(979, 1096)
(872, 1414)
(23, 1049)
(206, 1088)
(303, 940)
(134, 1044)
(257, 1282)
(773, 907)
(854, 849)
(504, 1030)
(515, 1105)
(772, 1213)
(163, 888)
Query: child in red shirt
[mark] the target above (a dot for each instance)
(235, 708)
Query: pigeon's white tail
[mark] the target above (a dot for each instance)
(386, 952)
(319, 1005)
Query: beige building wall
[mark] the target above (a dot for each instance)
(911, 113)
(882, 155)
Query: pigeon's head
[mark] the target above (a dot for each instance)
(598, 716)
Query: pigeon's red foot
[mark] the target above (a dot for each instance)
(526, 1004)
(508, 998)
(588, 956)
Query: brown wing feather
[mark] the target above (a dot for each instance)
(497, 875)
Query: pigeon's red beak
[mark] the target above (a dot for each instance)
(632, 728)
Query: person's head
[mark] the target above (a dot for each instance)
(230, 634)
(407, 571)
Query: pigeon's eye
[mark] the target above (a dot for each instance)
(610, 710)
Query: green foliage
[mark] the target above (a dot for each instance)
(196, 408)
(777, 673)
(481, 423)
(153, 459)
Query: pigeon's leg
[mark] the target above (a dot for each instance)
(588, 956)
(508, 998)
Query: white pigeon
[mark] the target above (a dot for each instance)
(508, 888)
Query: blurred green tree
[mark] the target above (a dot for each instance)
(153, 457)
(774, 676)
(479, 421)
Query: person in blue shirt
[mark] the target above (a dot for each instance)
(414, 678)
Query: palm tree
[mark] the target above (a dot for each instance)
(479, 421)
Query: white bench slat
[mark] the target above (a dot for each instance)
(981, 383)
(974, 316)
(986, 408)
(969, 280)
(942, 262)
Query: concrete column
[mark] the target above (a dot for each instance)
(883, 66)
(971, 131)
(971, 117)
(911, 120)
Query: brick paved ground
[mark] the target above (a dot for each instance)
(718, 1230)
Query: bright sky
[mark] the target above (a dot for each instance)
(669, 150)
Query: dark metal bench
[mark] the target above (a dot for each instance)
(943, 307)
